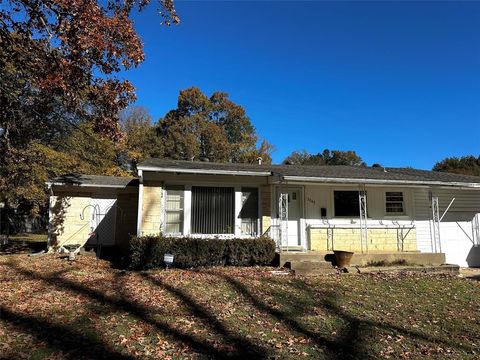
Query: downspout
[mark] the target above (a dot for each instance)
(140, 203)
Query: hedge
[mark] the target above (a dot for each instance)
(147, 252)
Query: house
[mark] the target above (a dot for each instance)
(308, 208)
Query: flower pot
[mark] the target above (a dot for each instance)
(343, 258)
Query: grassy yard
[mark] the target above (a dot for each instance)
(50, 308)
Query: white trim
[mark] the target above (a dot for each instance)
(238, 209)
(140, 203)
(205, 171)
(50, 216)
(375, 181)
(88, 185)
(187, 209)
(387, 214)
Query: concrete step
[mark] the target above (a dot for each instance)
(310, 257)
(311, 267)
(315, 272)
(365, 259)
(305, 265)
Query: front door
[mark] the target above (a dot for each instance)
(295, 212)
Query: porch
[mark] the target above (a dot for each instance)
(324, 258)
(322, 218)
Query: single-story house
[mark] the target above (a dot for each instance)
(303, 208)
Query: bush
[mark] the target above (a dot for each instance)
(147, 252)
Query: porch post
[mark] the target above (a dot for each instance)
(140, 203)
(187, 210)
(238, 209)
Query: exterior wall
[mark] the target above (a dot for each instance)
(152, 202)
(458, 235)
(151, 208)
(66, 226)
(349, 239)
(266, 207)
(126, 218)
(385, 231)
(457, 231)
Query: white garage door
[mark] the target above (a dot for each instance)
(103, 222)
(460, 242)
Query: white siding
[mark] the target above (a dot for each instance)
(423, 224)
(456, 228)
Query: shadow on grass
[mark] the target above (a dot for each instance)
(346, 346)
(293, 301)
(73, 343)
(351, 343)
(64, 338)
(243, 348)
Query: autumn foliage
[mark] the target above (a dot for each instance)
(59, 64)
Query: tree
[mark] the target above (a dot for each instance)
(30, 168)
(139, 135)
(59, 62)
(466, 165)
(327, 157)
(213, 128)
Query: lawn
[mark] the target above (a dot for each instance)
(54, 309)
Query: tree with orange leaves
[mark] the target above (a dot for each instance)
(59, 61)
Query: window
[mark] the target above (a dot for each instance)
(346, 203)
(249, 212)
(213, 210)
(394, 202)
(174, 210)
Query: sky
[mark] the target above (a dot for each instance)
(398, 82)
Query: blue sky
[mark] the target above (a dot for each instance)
(398, 82)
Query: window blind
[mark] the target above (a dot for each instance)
(213, 210)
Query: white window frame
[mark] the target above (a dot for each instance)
(182, 211)
(187, 208)
(390, 214)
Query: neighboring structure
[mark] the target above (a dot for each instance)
(317, 208)
(91, 209)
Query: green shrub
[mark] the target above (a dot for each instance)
(147, 252)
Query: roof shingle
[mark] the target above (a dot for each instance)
(318, 171)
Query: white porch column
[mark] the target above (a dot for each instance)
(187, 210)
(303, 234)
(140, 203)
(238, 209)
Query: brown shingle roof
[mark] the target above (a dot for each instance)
(95, 180)
(403, 175)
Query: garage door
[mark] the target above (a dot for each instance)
(103, 222)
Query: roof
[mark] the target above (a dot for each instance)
(95, 181)
(316, 173)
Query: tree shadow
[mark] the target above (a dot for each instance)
(243, 348)
(120, 304)
(58, 213)
(351, 342)
(347, 346)
(73, 343)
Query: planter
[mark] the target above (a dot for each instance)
(343, 258)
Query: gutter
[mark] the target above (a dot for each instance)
(205, 171)
(50, 184)
(374, 181)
